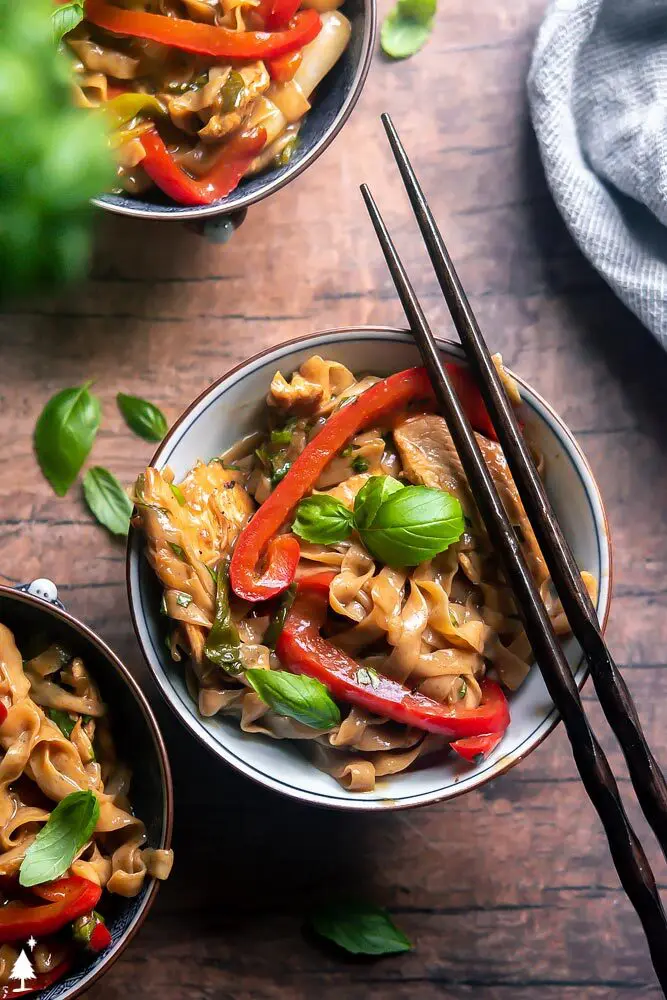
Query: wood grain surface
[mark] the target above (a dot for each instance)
(508, 892)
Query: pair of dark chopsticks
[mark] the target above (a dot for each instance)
(648, 781)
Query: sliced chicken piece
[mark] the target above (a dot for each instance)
(429, 457)
(502, 477)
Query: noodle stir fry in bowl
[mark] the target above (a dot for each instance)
(327, 579)
(77, 863)
(201, 96)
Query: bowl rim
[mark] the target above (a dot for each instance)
(502, 766)
(237, 201)
(165, 771)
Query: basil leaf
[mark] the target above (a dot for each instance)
(64, 19)
(107, 500)
(64, 435)
(61, 838)
(63, 720)
(414, 524)
(322, 519)
(183, 600)
(223, 646)
(178, 551)
(360, 928)
(407, 27)
(178, 493)
(142, 417)
(359, 464)
(371, 495)
(296, 696)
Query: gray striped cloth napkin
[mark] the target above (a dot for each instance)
(598, 98)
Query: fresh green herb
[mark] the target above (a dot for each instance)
(263, 455)
(347, 452)
(67, 829)
(64, 435)
(462, 691)
(107, 500)
(278, 620)
(406, 27)
(163, 606)
(232, 92)
(280, 469)
(371, 496)
(412, 525)
(453, 619)
(283, 435)
(223, 646)
(178, 493)
(323, 519)
(63, 720)
(296, 696)
(360, 928)
(178, 551)
(285, 155)
(64, 19)
(359, 464)
(183, 600)
(142, 417)
(368, 676)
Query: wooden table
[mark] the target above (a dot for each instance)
(508, 892)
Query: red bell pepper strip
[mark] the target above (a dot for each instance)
(100, 939)
(205, 39)
(279, 13)
(477, 748)
(284, 67)
(232, 163)
(3, 713)
(91, 932)
(371, 406)
(302, 650)
(68, 898)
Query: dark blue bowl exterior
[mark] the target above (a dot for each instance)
(332, 103)
(138, 744)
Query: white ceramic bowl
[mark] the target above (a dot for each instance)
(233, 407)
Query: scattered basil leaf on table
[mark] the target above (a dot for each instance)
(296, 696)
(142, 417)
(371, 496)
(64, 18)
(61, 838)
(323, 520)
(64, 435)
(63, 720)
(406, 27)
(360, 928)
(414, 524)
(107, 500)
(223, 646)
